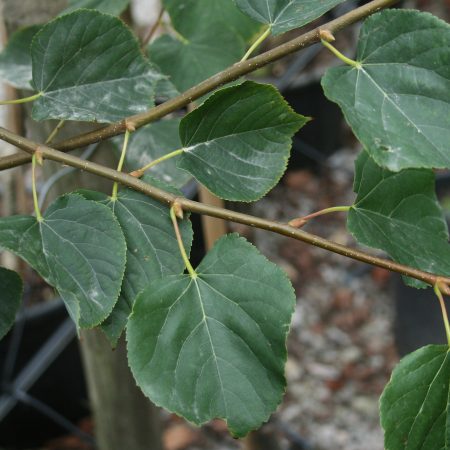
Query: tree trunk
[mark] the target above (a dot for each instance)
(124, 418)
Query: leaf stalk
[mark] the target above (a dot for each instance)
(257, 43)
(340, 55)
(438, 292)
(300, 221)
(120, 165)
(55, 131)
(37, 211)
(174, 212)
(18, 101)
(138, 173)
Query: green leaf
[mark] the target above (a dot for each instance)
(10, 299)
(152, 248)
(114, 7)
(285, 15)
(15, 59)
(215, 345)
(399, 213)
(78, 248)
(415, 405)
(238, 142)
(89, 67)
(21, 236)
(187, 14)
(398, 101)
(192, 58)
(152, 142)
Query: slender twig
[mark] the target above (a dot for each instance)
(153, 29)
(55, 132)
(221, 213)
(300, 221)
(230, 74)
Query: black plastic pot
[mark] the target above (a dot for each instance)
(418, 314)
(321, 137)
(41, 377)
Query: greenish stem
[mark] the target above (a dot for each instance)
(55, 131)
(257, 43)
(299, 222)
(340, 55)
(184, 255)
(439, 295)
(33, 185)
(121, 162)
(180, 37)
(138, 173)
(17, 101)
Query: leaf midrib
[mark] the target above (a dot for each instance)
(204, 319)
(388, 97)
(192, 148)
(426, 396)
(116, 80)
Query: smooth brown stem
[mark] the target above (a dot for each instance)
(221, 213)
(153, 29)
(232, 73)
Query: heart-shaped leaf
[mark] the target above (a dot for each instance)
(215, 345)
(153, 141)
(190, 59)
(114, 7)
(88, 66)
(238, 142)
(398, 100)
(415, 405)
(152, 248)
(78, 248)
(187, 14)
(10, 299)
(285, 15)
(15, 59)
(399, 213)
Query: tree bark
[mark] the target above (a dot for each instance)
(124, 418)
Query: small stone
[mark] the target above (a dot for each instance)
(179, 437)
(343, 299)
